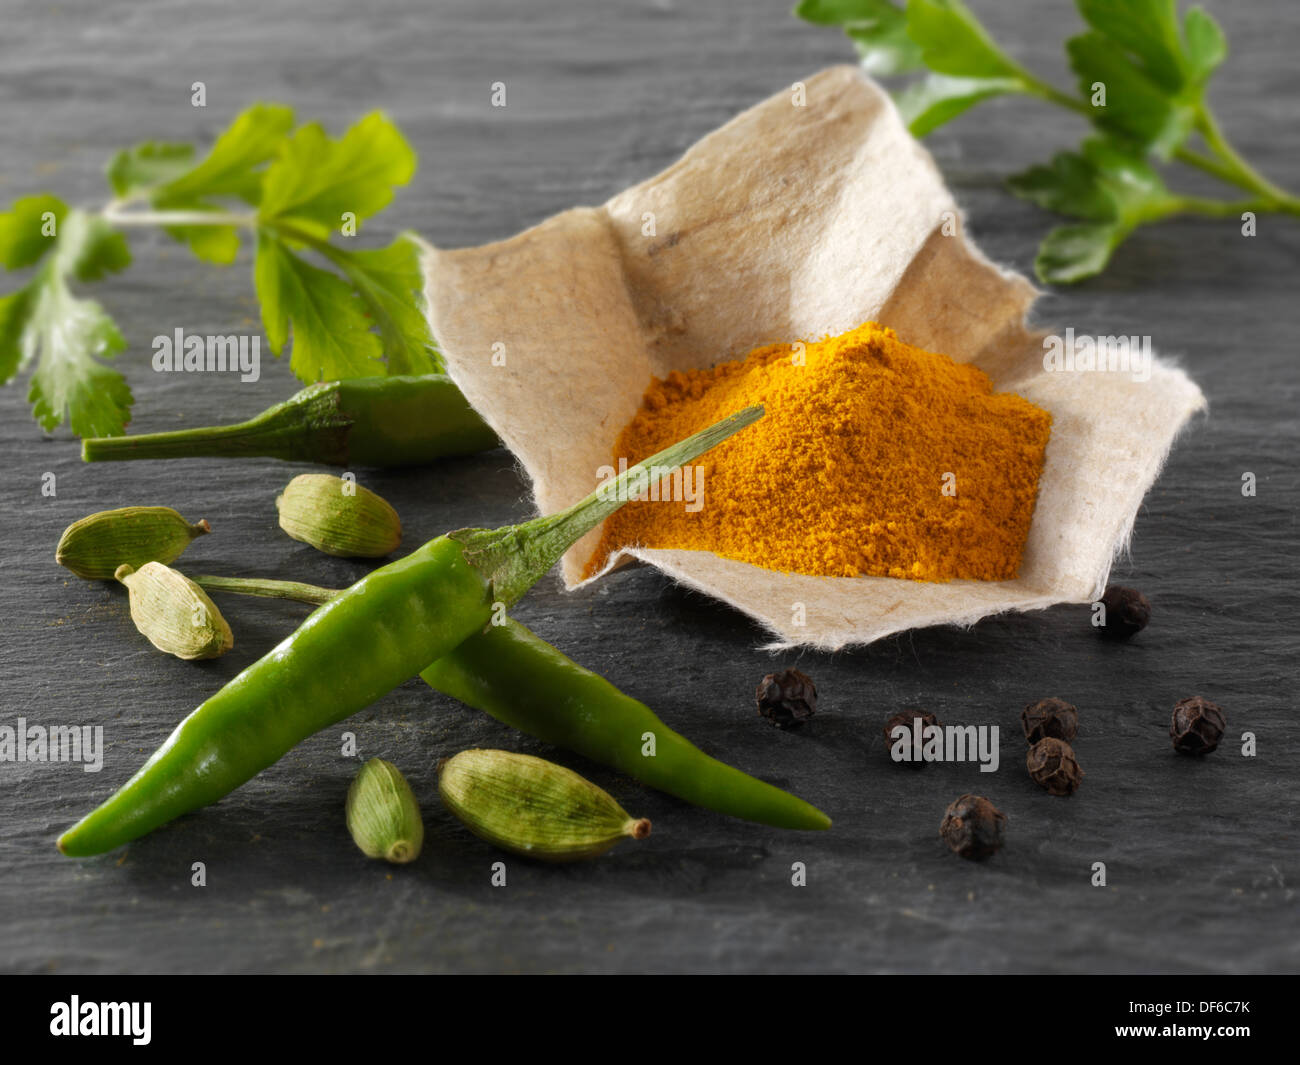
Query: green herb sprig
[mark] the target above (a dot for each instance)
(351, 313)
(1141, 79)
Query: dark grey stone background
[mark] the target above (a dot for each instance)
(1201, 855)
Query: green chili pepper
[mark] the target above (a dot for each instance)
(361, 421)
(523, 681)
(349, 652)
(518, 678)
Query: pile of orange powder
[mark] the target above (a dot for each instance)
(874, 458)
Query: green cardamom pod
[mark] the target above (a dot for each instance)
(96, 545)
(338, 516)
(174, 613)
(383, 816)
(534, 807)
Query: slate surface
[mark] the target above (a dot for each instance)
(1200, 856)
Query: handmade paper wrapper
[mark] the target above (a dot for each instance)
(796, 220)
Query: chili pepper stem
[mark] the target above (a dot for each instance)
(368, 421)
(513, 559)
(275, 433)
(302, 593)
(224, 441)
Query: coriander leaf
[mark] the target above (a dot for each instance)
(1147, 30)
(230, 168)
(953, 41)
(331, 333)
(1206, 45)
(391, 284)
(84, 245)
(15, 309)
(846, 12)
(316, 180)
(1107, 184)
(218, 245)
(937, 98)
(1135, 105)
(1133, 184)
(29, 230)
(68, 336)
(1154, 78)
(1067, 185)
(877, 28)
(1072, 253)
(1106, 181)
(137, 172)
(88, 248)
(72, 335)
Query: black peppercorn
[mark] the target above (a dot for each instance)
(1052, 764)
(911, 750)
(972, 826)
(1197, 725)
(1049, 717)
(1127, 612)
(787, 699)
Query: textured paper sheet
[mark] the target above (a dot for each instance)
(790, 222)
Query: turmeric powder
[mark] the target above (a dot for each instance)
(874, 458)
